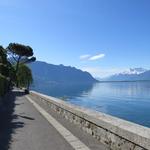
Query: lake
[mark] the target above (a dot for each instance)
(126, 100)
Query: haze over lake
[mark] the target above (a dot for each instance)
(126, 100)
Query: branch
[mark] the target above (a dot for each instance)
(14, 58)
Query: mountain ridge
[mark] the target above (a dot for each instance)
(134, 71)
(59, 74)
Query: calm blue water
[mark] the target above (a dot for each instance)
(126, 100)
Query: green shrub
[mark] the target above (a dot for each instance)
(3, 85)
(24, 76)
(4, 70)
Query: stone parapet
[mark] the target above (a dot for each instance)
(117, 133)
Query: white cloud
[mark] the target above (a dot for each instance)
(85, 57)
(91, 58)
(96, 57)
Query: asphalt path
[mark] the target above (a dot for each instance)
(28, 129)
(36, 133)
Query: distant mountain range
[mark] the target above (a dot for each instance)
(134, 71)
(133, 74)
(44, 73)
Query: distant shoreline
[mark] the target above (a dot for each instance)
(126, 81)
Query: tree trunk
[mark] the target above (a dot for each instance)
(17, 67)
(28, 86)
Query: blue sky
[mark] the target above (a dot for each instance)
(100, 36)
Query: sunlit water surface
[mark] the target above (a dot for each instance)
(126, 100)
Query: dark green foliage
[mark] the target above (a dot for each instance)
(26, 60)
(4, 64)
(32, 59)
(24, 76)
(4, 72)
(12, 70)
(12, 74)
(3, 85)
(3, 56)
(20, 54)
(20, 49)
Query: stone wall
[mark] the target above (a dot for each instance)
(117, 133)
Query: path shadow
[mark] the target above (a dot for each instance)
(8, 120)
(25, 117)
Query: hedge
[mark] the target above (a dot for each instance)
(4, 70)
(3, 85)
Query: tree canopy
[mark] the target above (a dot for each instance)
(20, 50)
(19, 54)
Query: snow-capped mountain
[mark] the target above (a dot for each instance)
(131, 74)
(134, 71)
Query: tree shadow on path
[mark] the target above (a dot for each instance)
(8, 120)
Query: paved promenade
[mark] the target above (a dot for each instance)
(31, 127)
